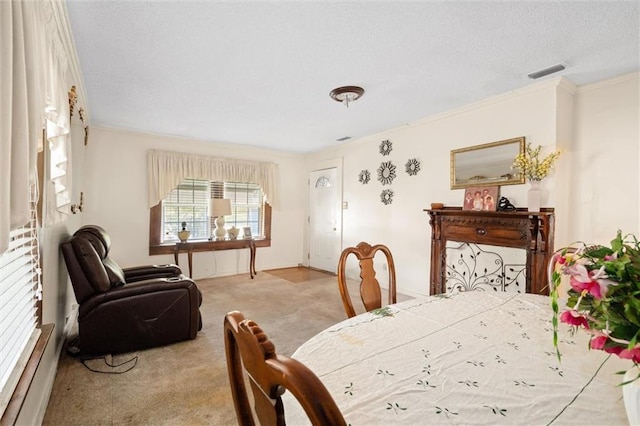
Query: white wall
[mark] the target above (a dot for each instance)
(606, 167)
(597, 127)
(116, 199)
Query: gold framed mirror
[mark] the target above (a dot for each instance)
(486, 164)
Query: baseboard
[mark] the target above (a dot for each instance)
(51, 376)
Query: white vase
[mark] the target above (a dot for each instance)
(233, 232)
(631, 396)
(534, 196)
(183, 235)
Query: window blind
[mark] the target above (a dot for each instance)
(246, 200)
(189, 203)
(20, 291)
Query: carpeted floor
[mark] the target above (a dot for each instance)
(186, 383)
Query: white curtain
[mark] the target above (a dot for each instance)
(167, 169)
(37, 68)
(58, 202)
(22, 47)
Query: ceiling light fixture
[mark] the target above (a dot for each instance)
(546, 71)
(346, 94)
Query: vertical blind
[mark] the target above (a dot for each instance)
(20, 290)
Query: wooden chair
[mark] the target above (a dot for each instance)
(369, 286)
(270, 375)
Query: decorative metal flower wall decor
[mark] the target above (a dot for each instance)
(412, 167)
(385, 147)
(364, 177)
(472, 268)
(386, 196)
(386, 172)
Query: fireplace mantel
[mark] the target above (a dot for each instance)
(531, 231)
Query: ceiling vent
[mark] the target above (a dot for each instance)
(546, 71)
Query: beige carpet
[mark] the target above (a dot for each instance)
(186, 383)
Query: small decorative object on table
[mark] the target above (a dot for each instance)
(504, 205)
(534, 169)
(603, 300)
(246, 232)
(183, 234)
(480, 198)
(233, 233)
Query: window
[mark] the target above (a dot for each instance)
(19, 301)
(189, 203)
(246, 204)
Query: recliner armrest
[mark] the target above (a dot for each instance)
(151, 287)
(147, 272)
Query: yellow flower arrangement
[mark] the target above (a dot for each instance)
(529, 164)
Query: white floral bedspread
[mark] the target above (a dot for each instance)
(470, 358)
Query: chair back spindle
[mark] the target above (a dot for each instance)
(370, 291)
(249, 349)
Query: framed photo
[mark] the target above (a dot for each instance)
(480, 198)
(246, 232)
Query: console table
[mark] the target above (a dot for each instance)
(190, 247)
(532, 231)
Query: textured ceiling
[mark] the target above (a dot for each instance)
(260, 74)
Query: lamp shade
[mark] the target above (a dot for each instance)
(219, 207)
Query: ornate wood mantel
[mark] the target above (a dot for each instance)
(531, 231)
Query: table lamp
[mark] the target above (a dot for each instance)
(219, 208)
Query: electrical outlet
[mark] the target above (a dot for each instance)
(345, 205)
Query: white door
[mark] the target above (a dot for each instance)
(325, 219)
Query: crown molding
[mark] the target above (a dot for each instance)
(513, 94)
(610, 82)
(61, 36)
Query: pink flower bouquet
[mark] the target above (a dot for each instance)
(604, 295)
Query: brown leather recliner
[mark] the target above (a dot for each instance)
(122, 310)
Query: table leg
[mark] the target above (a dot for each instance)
(175, 255)
(252, 261)
(190, 257)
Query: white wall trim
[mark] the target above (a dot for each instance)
(568, 86)
(50, 379)
(206, 143)
(327, 164)
(58, 23)
(527, 90)
(610, 82)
